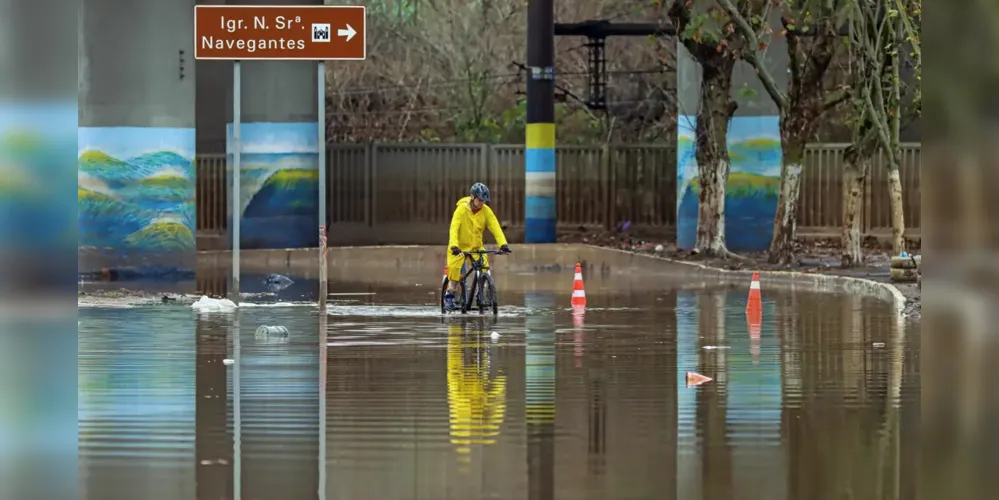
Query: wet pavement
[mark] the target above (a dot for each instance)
(396, 402)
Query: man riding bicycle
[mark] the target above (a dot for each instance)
(471, 217)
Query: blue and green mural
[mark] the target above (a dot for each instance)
(135, 189)
(752, 189)
(37, 143)
(279, 184)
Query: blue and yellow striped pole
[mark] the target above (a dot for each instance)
(540, 220)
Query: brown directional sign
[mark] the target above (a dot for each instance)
(255, 32)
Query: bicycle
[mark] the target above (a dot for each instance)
(482, 282)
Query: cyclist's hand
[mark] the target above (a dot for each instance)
(455, 251)
(505, 249)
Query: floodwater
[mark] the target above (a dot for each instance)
(384, 399)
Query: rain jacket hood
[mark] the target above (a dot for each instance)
(467, 226)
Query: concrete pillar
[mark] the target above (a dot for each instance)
(38, 121)
(136, 135)
(754, 146)
(280, 152)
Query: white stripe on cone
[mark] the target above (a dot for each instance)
(755, 285)
(578, 277)
(578, 293)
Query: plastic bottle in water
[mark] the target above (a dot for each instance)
(271, 330)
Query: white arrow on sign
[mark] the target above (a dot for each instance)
(347, 32)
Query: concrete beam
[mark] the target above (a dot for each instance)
(136, 134)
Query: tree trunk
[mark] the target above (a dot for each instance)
(858, 164)
(794, 134)
(897, 212)
(714, 111)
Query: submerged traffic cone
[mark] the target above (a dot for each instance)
(578, 294)
(578, 322)
(754, 305)
(694, 378)
(754, 320)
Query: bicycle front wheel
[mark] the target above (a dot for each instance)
(489, 291)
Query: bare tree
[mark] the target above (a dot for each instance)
(880, 33)
(811, 30)
(447, 70)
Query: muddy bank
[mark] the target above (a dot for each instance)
(817, 256)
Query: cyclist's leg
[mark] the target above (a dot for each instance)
(454, 264)
(485, 258)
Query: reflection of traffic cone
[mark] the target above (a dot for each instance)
(578, 314)
(754, 305)
(754, 350)
(754, 319)
(578, 294)
(694, 378)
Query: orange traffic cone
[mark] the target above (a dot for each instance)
(694, 378)
(754, 305)
(578, 294)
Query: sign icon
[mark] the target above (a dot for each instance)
(348, 32)
(320, 32)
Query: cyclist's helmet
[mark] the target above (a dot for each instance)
(480, 191)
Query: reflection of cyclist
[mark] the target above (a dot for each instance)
(477, 404)
(471, 217)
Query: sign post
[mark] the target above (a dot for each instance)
(323, 282)
(237, 147)
(277, 32)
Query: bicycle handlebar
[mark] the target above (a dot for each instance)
(487, 252)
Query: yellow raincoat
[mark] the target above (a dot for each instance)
(466, 233)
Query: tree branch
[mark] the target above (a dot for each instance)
(839, 97)
(876, 115)
(750, 55)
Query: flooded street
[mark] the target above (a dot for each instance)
(384, 399)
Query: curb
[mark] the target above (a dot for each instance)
(795, 279)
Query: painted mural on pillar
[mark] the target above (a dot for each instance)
(279, 184)
(135, 189)
(752, 189)
(36, 140)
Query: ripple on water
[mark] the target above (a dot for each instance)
(417, 404)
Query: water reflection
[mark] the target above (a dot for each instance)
(819, 401)
(136, 408)
(278, 378)
(217, 451)
(476, 393)
(539, 369)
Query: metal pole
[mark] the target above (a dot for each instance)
(236, 148)
(321, 97)
(539, 181)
